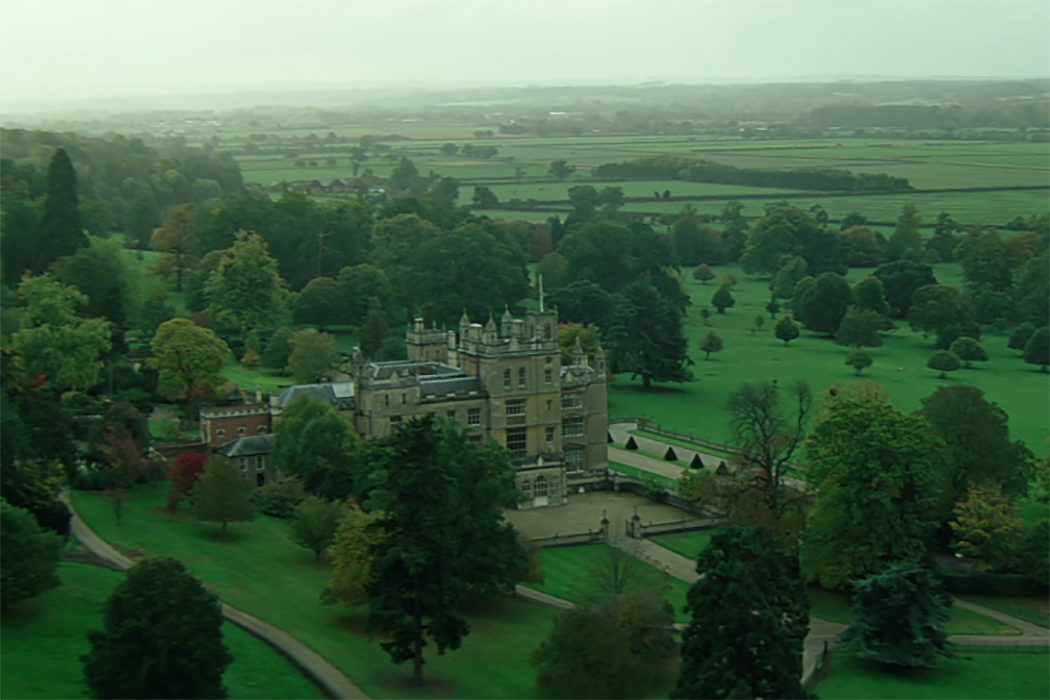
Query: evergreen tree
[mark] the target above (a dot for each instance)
(749, 615)
(162, 637)
(723, 299)
(61, 231)
(646, 337)
(900, 615)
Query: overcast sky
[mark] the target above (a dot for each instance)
(99, 48)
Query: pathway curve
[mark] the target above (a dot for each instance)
(330, 678)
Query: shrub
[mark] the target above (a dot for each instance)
(280, 496)
(631, 444)
(696, 462)
(670, 455)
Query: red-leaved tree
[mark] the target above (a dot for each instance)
(183, 476)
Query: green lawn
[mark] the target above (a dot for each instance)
(258, 570)
(665, 481)
(44, 638)
(1034, 609)
(698, 407)
(568, 574)
(982, 675)
(688, 544)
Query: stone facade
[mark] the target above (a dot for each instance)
(503, 383)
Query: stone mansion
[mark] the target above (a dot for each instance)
(503, 382)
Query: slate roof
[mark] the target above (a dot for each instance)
(247, 446)
(340, 394)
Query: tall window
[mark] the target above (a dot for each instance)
(573, 459)
(516, 442)
(572, 427)
(526, 488)
(473, 416)
(515, 407)
(541, 486)
(506, 379)
(550, 435)
(548, 375)
(521, 377)
(451, 414)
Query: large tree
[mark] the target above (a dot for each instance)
(790, 231)
(246, 290)
(320, 303)
(935, 307)
(61, 231)
(177, 237)
(357, 285)
(187, 358)
(900, 614)
(314, 357)
(162, 637)
(881, 477)
(821, 305)
(646, 337)
(749, 615)
(977, 441)
(900, 279)
(444, 536)
(28, 556)
(100, 273)
(53, 341)
(315, 443)
(222, 494)
(905, 236)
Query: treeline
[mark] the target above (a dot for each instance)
(1023, 115)
(123, 184)
(694, 170)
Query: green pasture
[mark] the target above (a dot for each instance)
(698, 407)
(984, 674)
(688, 544)
(45, 637)
(257, 569)
(569, 573)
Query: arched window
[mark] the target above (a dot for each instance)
(541, 486)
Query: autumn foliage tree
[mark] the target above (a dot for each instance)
(986, 526)
(184, 475)
(177, 237)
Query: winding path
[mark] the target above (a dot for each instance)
(312, 664)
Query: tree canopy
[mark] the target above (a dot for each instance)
(444, 536)
(162, 637)
(61, 231)
(222, 494)
(749, 615)
(315, 443)
(188, 359)
(881, 477)
(28, 556)
(246, 291)
(646, 337)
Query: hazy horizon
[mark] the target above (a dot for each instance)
(63, 51)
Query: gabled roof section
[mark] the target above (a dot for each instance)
(247, 446)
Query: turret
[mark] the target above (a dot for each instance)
(579, 357)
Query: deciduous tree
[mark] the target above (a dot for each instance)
(246, 290)
(723, 299)
(968, 350)
(162, 637)
(944, 361)
(314, 523)
(351, 554)
(749, 615)
(786, 329)
(222, 494)
(315, 443)
(320, 303)
(28, 556)
(937, 306)
(313, 357)
(177, 237)
(646, 336)
(822, 305)
(188, 359)
(1037, 349)
(881, 477)
(860, 328)
(184, 475)
(712, 342)
(900, 279)
(986, 526)
(859, 359)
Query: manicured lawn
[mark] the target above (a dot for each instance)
(682, 443)
(568, 574)
(688, 544)
(836, 607)
(982, 675)
(665, 481)
(698, 407)
(1034, 609)
(45, 637)
(257, 569)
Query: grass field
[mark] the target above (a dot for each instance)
(257, 569)
(698, 407)
(569, 573)
(1034, 609)
(665, 481)
(688, 544)
(44, 638)
(983, 674)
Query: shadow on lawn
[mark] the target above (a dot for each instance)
(654, 389)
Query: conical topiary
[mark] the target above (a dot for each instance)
(722, 470)
(696, 463)
(631, 444)
(608, 437)
(670, 455)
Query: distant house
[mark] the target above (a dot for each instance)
(252, 455)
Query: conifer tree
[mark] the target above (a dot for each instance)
(61, 231)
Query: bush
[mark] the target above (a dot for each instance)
(280, 496)
(1034, 556)
(670, 455)
(696, 463)
(631, 444)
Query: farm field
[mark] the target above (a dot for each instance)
(927, 165)
(44, 638)
(982, 674)
(697, 407)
